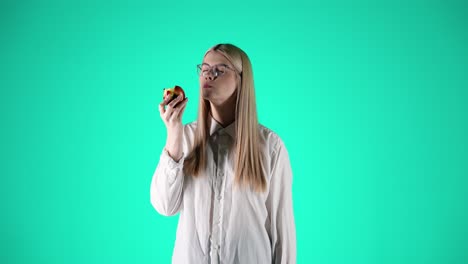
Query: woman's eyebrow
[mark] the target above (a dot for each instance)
(204, 63)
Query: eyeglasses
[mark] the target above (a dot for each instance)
(217, 70)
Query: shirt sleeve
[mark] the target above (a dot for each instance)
(279, 203)
(167, 185)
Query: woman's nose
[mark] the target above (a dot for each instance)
(210, 76)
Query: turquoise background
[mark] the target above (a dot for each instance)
(369, 97)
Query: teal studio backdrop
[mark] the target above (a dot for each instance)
(370, 99)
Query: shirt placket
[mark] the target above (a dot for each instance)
(218, 205)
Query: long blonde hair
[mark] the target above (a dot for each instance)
(248, 156)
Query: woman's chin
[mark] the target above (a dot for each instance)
(207, 94)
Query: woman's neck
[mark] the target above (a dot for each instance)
(223, 114)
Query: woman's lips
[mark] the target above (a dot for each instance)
(207, 86)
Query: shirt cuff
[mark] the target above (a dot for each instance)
(170, 161)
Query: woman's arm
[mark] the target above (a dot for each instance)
(168, 179)
(280, 208)
(167, 185)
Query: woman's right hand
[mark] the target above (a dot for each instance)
(172, 118)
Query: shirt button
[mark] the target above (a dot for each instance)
(221, 174)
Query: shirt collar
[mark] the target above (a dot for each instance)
(217, 127)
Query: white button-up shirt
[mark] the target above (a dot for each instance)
(222, 224)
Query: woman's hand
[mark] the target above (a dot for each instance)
(172, 118)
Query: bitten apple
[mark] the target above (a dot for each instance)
(173, 93)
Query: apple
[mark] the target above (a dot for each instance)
(173, 92)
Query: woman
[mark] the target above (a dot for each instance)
(228, 176)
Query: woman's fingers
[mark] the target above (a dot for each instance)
(161, 108)
(173, 108)
(178, 110)
(173, 104)
(164, 102)
(184, 106)
(175, 101)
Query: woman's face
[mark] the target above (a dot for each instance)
(218, 89)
